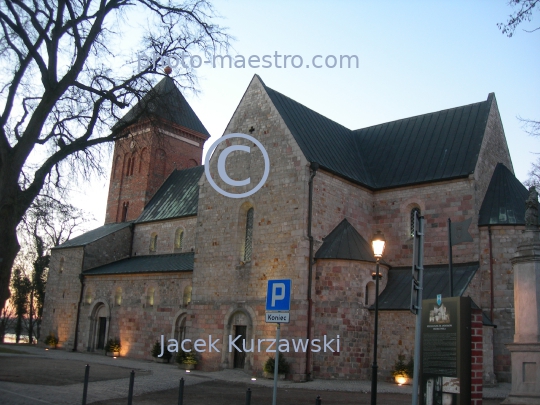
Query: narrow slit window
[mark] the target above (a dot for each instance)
(248, 247)
(178, 238)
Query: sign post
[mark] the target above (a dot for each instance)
(278, 305)
(416, 296)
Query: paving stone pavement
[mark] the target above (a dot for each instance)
(164, 377)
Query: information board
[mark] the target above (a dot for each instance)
(446, 351)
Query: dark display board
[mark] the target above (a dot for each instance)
(446, 351)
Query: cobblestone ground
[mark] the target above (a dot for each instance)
(56, 376)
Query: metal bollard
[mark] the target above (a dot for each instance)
(318, 400)
(248, 396)
(181, 392)
(131, 382)
(85, 389)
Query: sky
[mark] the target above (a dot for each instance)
(415, 57)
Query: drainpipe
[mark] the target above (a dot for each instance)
(81, 278)
(314, 166)
(491, 272)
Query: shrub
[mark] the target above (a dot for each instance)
(156, 351)
(113, 345)
(403, 368)
(283, 365)
(187, 357)
(51, 340)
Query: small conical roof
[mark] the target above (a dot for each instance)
(344, 242)
(504, 202)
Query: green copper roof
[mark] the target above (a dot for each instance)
(177, 197)
(93, 235)
(164, 101)
(147, 264)
(504, 202)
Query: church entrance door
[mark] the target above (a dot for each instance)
(102, 327)
(240, 357)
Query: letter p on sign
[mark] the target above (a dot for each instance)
(278, 296)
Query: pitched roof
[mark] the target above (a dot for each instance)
(321, 140)
(397, 294)
(504, 202)
(177, 197)
(164, 101)
(147, 264)
(344, 242)
(93, 235)
(431, 147)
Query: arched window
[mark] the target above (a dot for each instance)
(248, 246)
(88, 296)
(61, 265)
(370, 294)
(153, 242)
(411, 223)
(128, 167)
(151, 294)
(125, 207)
(187, 295)
(178, 239)
(118, 296)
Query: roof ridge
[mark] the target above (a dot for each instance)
(421, 115)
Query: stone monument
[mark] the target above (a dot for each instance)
(525, 350)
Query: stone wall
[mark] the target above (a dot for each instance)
(494, 150)
(166, 232)
(335, 199)
(396, 336)
(437, 203)
(504, 240)
(223, 281)
(111, 248)
(340, 309)
(135, 320)
(62, 297)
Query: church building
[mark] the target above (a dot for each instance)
(178, 258)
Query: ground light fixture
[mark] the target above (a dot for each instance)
(378, 243)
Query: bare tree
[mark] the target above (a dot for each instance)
(532, 127)
(524, 13)
(62, 89)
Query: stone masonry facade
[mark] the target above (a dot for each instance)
(225, 292)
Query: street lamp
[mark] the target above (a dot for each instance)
(378, 244)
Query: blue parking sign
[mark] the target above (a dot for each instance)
(278, 295)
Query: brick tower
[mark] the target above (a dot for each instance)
(160, 134)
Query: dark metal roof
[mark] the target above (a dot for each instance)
(147, 264)
(344, 242)
(397, 294)
(177, 197)
(431, 147)
(321, 139)
(425, 148)
(93, 235)
(504, 202)
(164, 101)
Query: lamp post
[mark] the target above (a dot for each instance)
(378, 244)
